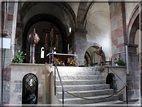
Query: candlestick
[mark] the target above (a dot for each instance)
(68, 46)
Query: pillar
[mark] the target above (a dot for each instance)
(118, 29)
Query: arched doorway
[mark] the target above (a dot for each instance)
(30, 89)
(91, 58)
(111, 80)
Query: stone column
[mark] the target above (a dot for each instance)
(11, 28)
(133, 79)
(80, 45)
(119, 40)
(19, 29)
(118, 28)
(8, 31)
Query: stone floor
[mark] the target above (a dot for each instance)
(134, 103)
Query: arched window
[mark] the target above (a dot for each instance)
(30, 89)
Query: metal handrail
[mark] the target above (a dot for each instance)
(120, 79)
(63, 91)
(114, 72)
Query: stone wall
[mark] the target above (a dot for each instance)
(13, 78)
(98, 27)
(8, 31)
(129, 7)
(81, 45)
(121, 72)
(118, 30)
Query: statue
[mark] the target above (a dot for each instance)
(99, 52)
(33, 38)
(46, 41)
(56, 42)
(51, 37)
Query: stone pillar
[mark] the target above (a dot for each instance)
(11, 28)
(19, 30)
(119, 40)
(80, 45)
(118, 28)
(4, 14)
(8, 31)
(133, 79)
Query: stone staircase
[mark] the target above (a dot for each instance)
(85, 82)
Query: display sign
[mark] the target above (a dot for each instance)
(5, 43)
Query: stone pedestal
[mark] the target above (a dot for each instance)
(13, 82)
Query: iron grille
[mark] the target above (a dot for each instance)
(30, 89)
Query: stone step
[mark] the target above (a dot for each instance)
(81, 82)
(86, 93)
(82, 101)
(83, 87)
(109, 102)
(67, 71)
(80, 77)
(116, 103)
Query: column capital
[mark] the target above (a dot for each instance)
(4, 33)
(133, 45)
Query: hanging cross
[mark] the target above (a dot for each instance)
(48, 31)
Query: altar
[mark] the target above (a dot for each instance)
(61, 56)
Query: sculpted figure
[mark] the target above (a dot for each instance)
(33, 38)
(46, 41)
(56, 42)
(51, 37)
(99, 52)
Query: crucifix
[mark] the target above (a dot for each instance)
(52, 32)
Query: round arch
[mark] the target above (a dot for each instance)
(93, 57)
(111, 80)
(30, 89)
(82, 13)
(63, 5)
(48, 18)
(133, 24)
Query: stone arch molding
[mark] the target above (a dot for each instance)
(62, 5)
(93, 45)
(131, 29)
(82, 13)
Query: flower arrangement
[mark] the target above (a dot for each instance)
(71, 61)
(57, 60)
(119, 61)
(19, 56)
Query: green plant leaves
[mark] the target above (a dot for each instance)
(119, 61)
(18, 57)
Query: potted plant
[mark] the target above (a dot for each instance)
(119, 62)
(71, 62)
(19, 56)
(58, 62)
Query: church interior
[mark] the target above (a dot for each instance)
(91, 34)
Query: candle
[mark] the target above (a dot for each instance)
(68, 46)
